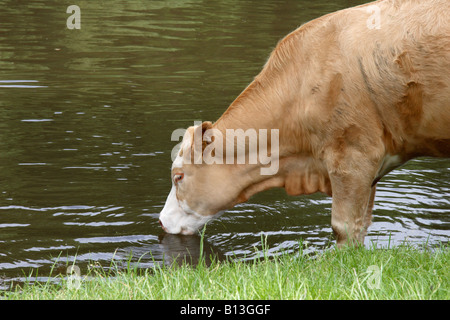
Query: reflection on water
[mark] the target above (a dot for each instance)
(87, 117)
(187, 249)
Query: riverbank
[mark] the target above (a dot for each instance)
(403, 272)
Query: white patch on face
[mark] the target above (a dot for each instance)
(178, 218)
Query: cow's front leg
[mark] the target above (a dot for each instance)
(368, 216)
(353, 198)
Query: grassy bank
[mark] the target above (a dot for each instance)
(398, 273)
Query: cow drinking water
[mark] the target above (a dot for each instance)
(348, 102)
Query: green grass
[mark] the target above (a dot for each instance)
(403, 272)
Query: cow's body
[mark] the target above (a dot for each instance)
(351, 101)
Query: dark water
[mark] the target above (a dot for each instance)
(87, 116)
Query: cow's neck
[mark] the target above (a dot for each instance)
(272, 101)
(257, 107)
(252, 109)
(268, 105)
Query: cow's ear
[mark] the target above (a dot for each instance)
(200, 131)
(206, 126)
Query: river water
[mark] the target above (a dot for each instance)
(85, 134)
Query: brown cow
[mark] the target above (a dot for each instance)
(352, 95)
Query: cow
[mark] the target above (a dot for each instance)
(353, 95)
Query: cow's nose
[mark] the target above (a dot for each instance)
(162, 226)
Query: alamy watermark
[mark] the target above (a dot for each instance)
(374, 20)
(236, 147)
(74, 277)
(74, 20)
(374, 277)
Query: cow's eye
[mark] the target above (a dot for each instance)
(177, 178)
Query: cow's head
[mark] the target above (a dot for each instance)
(199, 191)
(203, 187)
